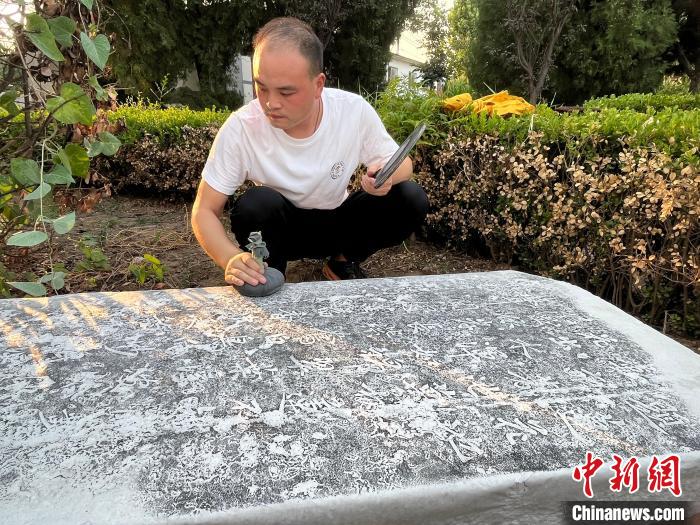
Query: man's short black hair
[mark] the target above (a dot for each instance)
(288, 30)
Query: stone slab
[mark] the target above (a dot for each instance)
(406, 395)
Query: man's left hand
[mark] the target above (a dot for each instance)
(367, 183)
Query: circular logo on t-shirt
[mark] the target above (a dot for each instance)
(337, 170)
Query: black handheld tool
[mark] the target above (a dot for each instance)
(395, 161)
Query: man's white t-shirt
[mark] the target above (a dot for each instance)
(313, 172)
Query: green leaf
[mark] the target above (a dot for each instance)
(72, 106)
(62, 28)
(25, 171)
(94, 149)
(59, 175)
(8, 96)
(96, 49)
(87, 3)
(7, 102)
(61, 159)
(110, 143)
(27, 239)
(58, 281)
(56, 278)
(41, 36)
(34, 289)
(79, 161)
(74, 159)
(64, 224)
(151, 258)
(42, 191)
(100, 92)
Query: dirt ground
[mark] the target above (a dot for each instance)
(126, 228)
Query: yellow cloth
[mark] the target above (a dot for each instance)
(457, 102)
(500, 103)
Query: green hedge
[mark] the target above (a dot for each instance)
(646, 101)
(165, 124)
(402, 107)
(670, 130)
(607, 198)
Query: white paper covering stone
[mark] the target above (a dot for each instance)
(421, 398)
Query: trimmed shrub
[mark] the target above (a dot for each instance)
(165, 125)
(623, 225)
(645, 101)
(170, 168)
(201, 100)
(164, 149)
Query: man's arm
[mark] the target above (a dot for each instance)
(238, 265)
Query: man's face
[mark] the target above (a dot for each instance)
(287, 92)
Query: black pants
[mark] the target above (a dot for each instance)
(356, 229)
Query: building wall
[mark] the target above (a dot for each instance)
(408, 45)
(407, 56)
(241, 75)
(399, 66)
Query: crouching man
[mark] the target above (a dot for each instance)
(300, 143)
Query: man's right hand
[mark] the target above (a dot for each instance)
(243, 268)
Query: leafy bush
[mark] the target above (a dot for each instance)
(606, 198)
(404, 104)
(644, 101)
(675, 85)
(168, 168)
(456, 86)
(51, 124)
(624, 224)
(164, 124)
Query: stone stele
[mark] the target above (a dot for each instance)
(464, 398)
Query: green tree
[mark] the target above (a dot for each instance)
(357, 35)
(461, 35)
(431, 19)
(150, 43)
(605, 47)
(171, 37)
(489, 58)
(217, 31)
(686, 52)
(613, 47)
(535, 27)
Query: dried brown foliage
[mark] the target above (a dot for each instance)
(623, 224)
(165, 169)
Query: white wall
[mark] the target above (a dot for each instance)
(407, 55)
(240, 75)
(404, 68)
